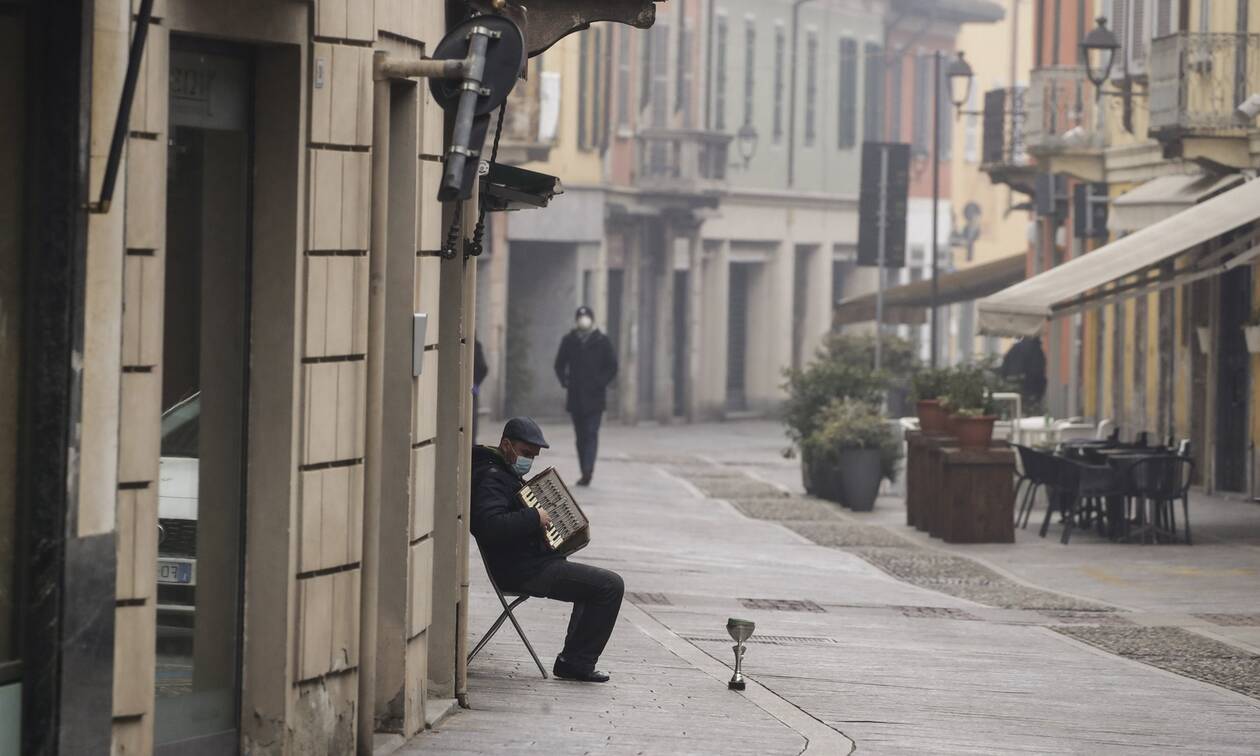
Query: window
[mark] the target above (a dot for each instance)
(946, 113)
(719, 84)
(584, 83)
(922, 102)
(873, 90)
(811, 87)
(659, 88)
(750, 60)
(623, 77)
(648, 54)
(894, 100)
(846, 129)
(780, 45)
(682, 65)
(593, 88)
(971, 133)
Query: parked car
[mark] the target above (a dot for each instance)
(177, 512)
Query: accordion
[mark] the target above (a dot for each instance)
(569, 529)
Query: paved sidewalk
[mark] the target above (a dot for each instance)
(893, 665)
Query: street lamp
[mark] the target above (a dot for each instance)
(960, 80)
(1099, 49)
(747, 138)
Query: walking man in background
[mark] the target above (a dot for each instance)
(585, 365)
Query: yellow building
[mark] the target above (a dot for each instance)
(1155, 343)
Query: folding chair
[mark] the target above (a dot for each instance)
(517, 600)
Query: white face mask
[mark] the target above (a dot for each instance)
(585, 323)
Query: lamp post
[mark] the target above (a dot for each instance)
(960, 81)
(746, 138)
(1099, 49)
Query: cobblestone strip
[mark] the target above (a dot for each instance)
(1177, 650)
(1169, 648)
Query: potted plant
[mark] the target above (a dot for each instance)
(970, 405)
(927, 388)
(854, 450)
(1252, 331)
(842, 369)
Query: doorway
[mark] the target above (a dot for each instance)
(1233, 380)
(737, 338)
(201, 496)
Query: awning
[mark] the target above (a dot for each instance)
(1168, 253)
(1159, 198)
(908, 304)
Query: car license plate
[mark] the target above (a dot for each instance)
(176, 571)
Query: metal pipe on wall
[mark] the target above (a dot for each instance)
(370, 560)
(469, 331)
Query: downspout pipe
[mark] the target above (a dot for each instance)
(121, 122)
(370, 559)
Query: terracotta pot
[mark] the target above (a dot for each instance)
(974, 432)
(932, 416)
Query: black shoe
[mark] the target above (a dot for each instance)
(565, 671)
(585, 480)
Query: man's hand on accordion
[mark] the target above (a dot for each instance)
(543, 518)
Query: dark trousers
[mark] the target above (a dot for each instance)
(596, 597)
(586, 429)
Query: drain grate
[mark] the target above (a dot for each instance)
(1232, 620)
(769, 640)
(653, 599)
(781, 605)
(936, 612)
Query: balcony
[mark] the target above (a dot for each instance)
(683, 162)
(1063, 114)
(1004, 150)
(1197, 79)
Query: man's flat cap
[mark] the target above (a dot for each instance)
(584, 310)
(525, 429)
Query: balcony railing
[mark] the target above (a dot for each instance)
(1005, 143)
(1198, 79)
(1063, 114)
(682, 161)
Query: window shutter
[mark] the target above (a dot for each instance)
(780, 45)
(1139, 35)
(719, 75)
(847, 126)
(750, 66)
(1119, 20)
(873, 128)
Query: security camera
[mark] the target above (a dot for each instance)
(1249, 108)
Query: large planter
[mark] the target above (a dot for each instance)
(859, 473)
(973, 432)
(1253, 338)
(809, 472)
(932, 416)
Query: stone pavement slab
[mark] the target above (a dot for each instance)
(895, 666)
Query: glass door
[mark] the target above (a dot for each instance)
(12, 242)
(204, 381)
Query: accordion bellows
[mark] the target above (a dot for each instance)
(569, 529)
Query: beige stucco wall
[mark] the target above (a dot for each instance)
(307, 418)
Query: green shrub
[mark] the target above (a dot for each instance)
(930, 383)
(853, 424)
(842, 369)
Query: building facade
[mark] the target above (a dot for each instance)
(185, 404)
(1169, 360)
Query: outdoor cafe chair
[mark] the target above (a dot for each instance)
(1156, 483)
(1079, 493)
(1038, 474)
(518, 598)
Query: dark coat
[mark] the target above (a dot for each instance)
(509, 533)
(585, 367)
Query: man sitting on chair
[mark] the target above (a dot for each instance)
(511, 538)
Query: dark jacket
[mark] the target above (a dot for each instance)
(585, 367)
(509, 533)
(480, 368)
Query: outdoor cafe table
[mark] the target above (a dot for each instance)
(1118, 458)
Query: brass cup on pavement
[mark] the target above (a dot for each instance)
(740, 631)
